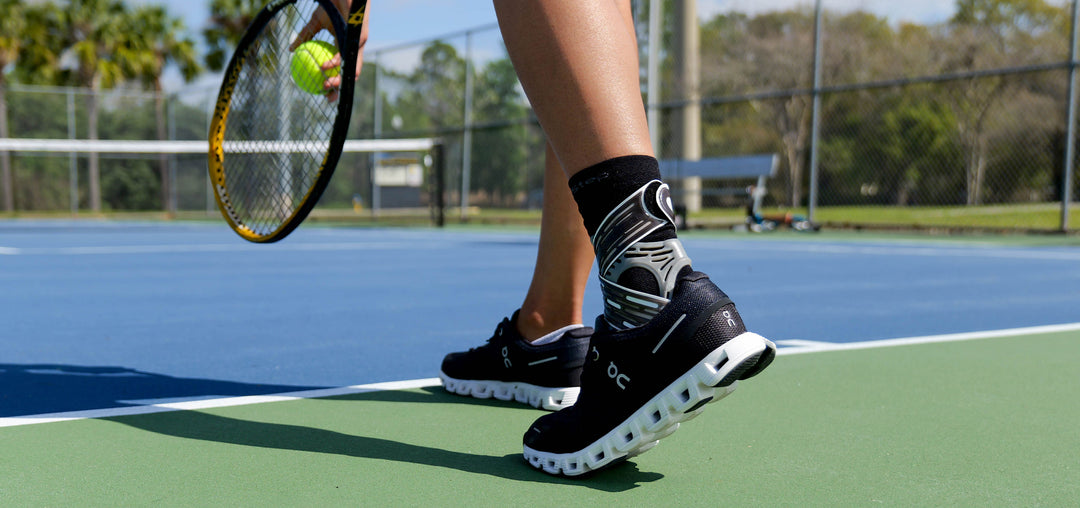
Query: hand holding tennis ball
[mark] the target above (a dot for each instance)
(313, 63)
(321, 21)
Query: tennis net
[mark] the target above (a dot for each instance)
(375, 177)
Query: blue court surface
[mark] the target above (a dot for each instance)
(101, 314)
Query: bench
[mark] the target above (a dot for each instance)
(691, 173)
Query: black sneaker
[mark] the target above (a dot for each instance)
(509, 367)
(642, 382)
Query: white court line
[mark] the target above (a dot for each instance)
(928, 339)
(994, 251)
(802, 343)
(203, 403)
(192, 405)
(208, 248)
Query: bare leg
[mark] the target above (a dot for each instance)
(566, 255)
(558, 48)
(563, 260)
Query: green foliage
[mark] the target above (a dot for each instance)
(434, 98)
(913, 137)
(1008, 17)
(131, 185)
(971, 141)
(501, 156)
(12, 25)
(38, 58)
(159, 41)
(228, 20)
(987, 140)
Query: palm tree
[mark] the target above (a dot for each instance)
(160, 42)
(96, 38)
(40, 44)
(228, 20)
(12, 26)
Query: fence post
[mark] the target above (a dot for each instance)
(687, 116)
(377, 113)
(439, 167)
(173, 201)
(466, 142)
(73, 164)
(7, 179)
(1070, 126)
(815, 116)
(656, 15)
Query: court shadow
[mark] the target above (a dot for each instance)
(209, 427)
(30, 389)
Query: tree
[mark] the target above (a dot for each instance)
(987, 34)
(436, 88)
(160, 41)
(38, 60)
(500, 165)
(42, 44)
(768, 52)
(12, 26)
(98, 35)
(228, 21)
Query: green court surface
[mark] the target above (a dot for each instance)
(988, 422)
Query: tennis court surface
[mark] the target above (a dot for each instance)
(175, 364)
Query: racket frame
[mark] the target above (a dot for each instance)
(352, 28)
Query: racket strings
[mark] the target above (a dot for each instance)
(277, 135)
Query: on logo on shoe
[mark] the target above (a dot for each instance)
(613, 373)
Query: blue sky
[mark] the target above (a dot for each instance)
(392, 21)
(397, 21)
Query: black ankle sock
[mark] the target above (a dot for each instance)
(599, 189)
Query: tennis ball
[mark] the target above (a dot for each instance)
(306, 66)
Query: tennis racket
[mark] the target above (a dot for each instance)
(274, 146)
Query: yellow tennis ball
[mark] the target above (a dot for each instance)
(306, 66)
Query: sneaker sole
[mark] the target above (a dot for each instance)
(712, 379)
(539, 397)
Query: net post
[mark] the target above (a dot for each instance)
(1070, 123)
(439, 167)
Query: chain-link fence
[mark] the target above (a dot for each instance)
(956, 117)
(55, 181)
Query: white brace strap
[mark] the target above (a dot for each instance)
(619, 246)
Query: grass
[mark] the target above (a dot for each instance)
(993, 218)
(1026, 217)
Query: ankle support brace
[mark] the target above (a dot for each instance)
(620, 246)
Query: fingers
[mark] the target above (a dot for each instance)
(363, 42)
(331, 63)
(318, 22)
(333, 83)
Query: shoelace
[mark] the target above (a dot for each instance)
(498, 333)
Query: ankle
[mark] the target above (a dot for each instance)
(533, 324)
